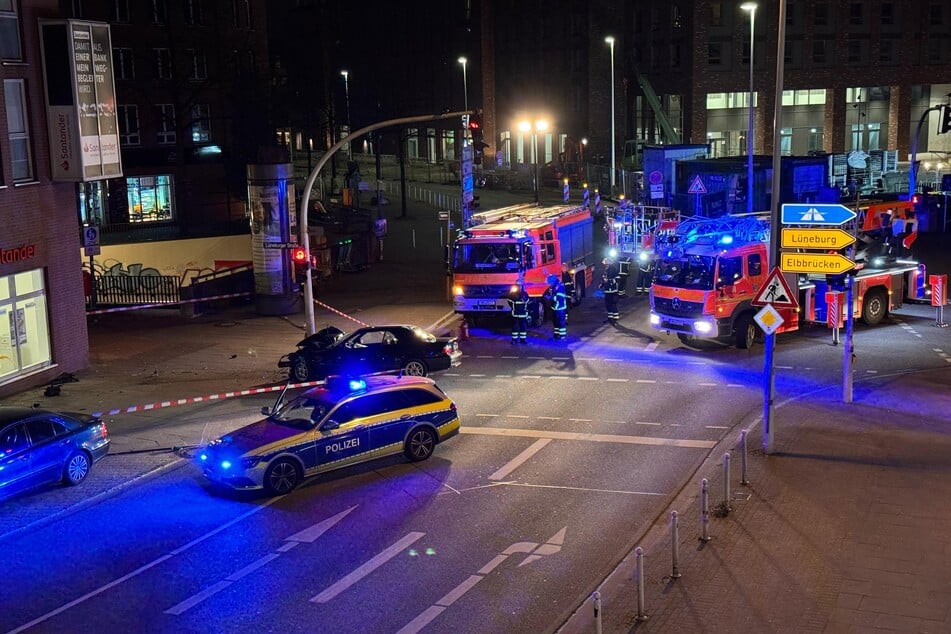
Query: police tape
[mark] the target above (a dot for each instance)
(158, 304)
(345, 315)
(205, 399)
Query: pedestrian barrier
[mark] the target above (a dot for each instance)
(596, 598)
(639, 576)
(674, 547)
(440, 200)
(744, 476)
(725, 506)
(704, 512)
(167, 304)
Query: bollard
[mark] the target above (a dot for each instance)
(726, 482)
(639, 573)
(596, 597)
(704, 511)
(744, 476)
(674, 547)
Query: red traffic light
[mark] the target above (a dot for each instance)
(298, 255)
(474, 125)
(915, 199)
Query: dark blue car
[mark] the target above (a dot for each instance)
(40, 447)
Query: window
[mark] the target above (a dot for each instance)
(676, 17)
(821, 52)
(21, 160)
(858, 52)
(417, 397)
(165, 123)
(815, 139)
(129, 125)
(23, 311)
(163, 63)
(856, 13)
(13, 439)
(886, 51)
(729, 271)
(193, 12)
(248, 14)
(122, 63)
(716, 14)
(149, 198)
(888, 13)
(936, 13)
(159, 12)
(874, 135)
(785, 141)
(820, 15)
(714, 54)
(234, 12)
(813, 97)
(754, 264)
(722, 100)
(201, 123)
(676, 59)
(120, 11)
(199, 67)
(40, 430)
(9, 31)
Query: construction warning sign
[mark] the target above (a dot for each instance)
(776, 292)
(697, 186)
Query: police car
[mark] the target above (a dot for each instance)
(344, 422)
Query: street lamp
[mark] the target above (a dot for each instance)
(751, 7)
(610, 40)
(465, 86)
(540, 125)
(346, 91)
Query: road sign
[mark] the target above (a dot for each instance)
(443, 215)
(697, 186)
(831, 215)
(824, 263)
(768, 319)
(776, 292)
(91, 240)
(830, 239)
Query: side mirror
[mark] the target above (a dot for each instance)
(329, 425)
(266, 410)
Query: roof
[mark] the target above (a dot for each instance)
(337, 387)
(13, 413)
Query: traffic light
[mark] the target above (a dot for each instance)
(299, 261)
(478, 140)
(945, 120)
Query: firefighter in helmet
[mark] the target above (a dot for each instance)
(558, 298)
(609, 287)
(518, 302)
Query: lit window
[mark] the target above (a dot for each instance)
(149, 198)
(201, 123)
(21, 159)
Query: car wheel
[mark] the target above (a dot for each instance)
(686, 339)
(415, 367)
(745, 331)
(420, 444)
(874, 307)
(299, 369)
(282, 477)
(76, 469)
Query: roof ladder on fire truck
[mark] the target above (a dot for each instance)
(741, 228)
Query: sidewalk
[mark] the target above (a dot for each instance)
(844, 528)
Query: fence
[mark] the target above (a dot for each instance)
(439, 200)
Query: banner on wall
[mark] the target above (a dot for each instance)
(80, 100)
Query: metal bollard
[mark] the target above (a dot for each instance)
(674, 547)
(726, 482)
(744, 476)
(596, 597)
(704, 511)
(639, 573)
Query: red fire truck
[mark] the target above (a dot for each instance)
(709, 270)
(522, 244)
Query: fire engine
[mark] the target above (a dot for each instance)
(521, 244)
(708, 271)
(631, 231)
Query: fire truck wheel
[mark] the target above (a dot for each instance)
(745, 331)
(874, 307)
(536, 313)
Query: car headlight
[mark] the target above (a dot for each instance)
(703, 326)
(655, 319)
(458, 290)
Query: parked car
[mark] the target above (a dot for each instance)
(40, 447)
(343, 422)
(371, 350)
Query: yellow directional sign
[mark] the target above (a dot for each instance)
(830, 239)
(823, 263)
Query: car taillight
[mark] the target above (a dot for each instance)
(447, 349)
(452, 406)
(105, 430)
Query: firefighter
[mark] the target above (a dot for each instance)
(558, 297)
(610, 289)
(623, 272)
(518, 301)
(568, 279)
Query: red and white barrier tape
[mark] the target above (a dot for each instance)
(334, 310)
(202, 399)
(184, 301)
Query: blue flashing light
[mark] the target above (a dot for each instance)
(226, 464)
(726, 239)
(613, 253)
(203, 456)
(355, 385)
(642, 256)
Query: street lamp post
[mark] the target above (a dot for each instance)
(465, 85)
(346, 92)
(540, 125)
(751, 7)
(610, 40)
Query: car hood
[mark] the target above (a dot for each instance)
(257, 435)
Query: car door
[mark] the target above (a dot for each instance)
(49, 451)
(15, 460)
(342, 437)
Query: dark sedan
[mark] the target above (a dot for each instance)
(40, 447)
(370, 350)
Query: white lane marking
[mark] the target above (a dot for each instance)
(588, 378)
(616, 422)
(488, 415)
(311, 534)
(566, 488)
(425, 618)
(715, 427)
(503, 376)
(561, 358)
(617, 380)
(142, 569)
(871, 371)
(651, 346)
(508, 357)
(458, 591)
(451, 374)
(517, 416)
(529, 376)
(734, 385)
(518, 460)
(308, 535)
(477, 375)
(536, 358)
(707, 384)
(579, 420)
(784, 367)
(559, 377)
(563, 435)
(549, 418)
(640, 422)
(613, 360)
(485, 356)
(378, 560)
(586, 359)
(645, 381)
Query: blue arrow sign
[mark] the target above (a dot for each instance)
(797, 214)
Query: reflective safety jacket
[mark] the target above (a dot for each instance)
(519, 305)
(558, 296)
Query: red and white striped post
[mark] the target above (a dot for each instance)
(939, 297)
(834, 314)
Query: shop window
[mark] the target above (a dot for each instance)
(24, 324)
(9, 31)
(150, 198)
(165, 123)
(129, 125)
(21, 159)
